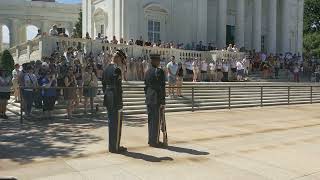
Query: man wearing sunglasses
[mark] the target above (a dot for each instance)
(112, 88)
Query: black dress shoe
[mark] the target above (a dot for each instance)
(158, 145)
(5, 116)
(122, 149)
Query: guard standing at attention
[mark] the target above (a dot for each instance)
(155, 99)
(112, 88)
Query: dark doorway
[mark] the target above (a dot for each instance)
(230, 35)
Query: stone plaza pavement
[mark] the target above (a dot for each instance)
(278, 143)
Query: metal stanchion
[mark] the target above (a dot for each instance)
(192, 99)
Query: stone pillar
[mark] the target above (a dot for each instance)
(272, 33)
(285, 33)
(87, 24)
(300, 26)
(117, 19)
(222, 23)
(240, 20)
(202, 21)
(257, 9)
(13, 32)
(22, 36)
(1, 40)
(45, 27)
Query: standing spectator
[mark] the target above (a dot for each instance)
(277, 67)
(212, 72)
(189, 69)
(30, 85)
(196, 70)
(15, 82)
(219, 70)
(204, 70)
(296, 70)
(240, 71)
(49, 93)
(5, 86)
(225, 71)
(172, 68)
(90, 85)
(179, 80)
(69, 92)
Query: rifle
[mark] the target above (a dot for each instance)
(163, 124)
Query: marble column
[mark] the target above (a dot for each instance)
(13, 32)
(1, 40)
(300, 26)
(222, 23)
(202, 21)
(45, 26)
(240, 21)
(257, 9)
(272, 33)
(285, 33)
(22, 36)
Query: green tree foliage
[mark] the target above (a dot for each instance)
(311, 44)
(7, 61)
(78, 33)
(311, 16)
(311, 39)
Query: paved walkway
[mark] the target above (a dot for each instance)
(278, 143)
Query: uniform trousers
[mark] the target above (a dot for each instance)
(153, 124)
(115, 126)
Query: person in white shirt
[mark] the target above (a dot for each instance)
(212, 73)
(225, 70)
(15, 82)
(54, 31)
(240, 71)
(172, 68)
(30, 82)
(196, 69)
(204, 70)
(189, 69)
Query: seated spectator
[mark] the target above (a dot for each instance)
(139, 42)
(114, 40)
(105, 40)
(99, 37)
(54, 31)
(88, 36)
(131, 42)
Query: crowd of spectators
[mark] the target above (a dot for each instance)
(72, 76)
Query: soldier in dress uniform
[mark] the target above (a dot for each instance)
(155, 99)
(112, 88)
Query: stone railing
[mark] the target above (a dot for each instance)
(45, 45)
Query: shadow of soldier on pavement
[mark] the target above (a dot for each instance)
(186, 150)
(146, 157)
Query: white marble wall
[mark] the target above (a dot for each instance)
(279, 21)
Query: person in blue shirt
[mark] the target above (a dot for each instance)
(48, 82)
